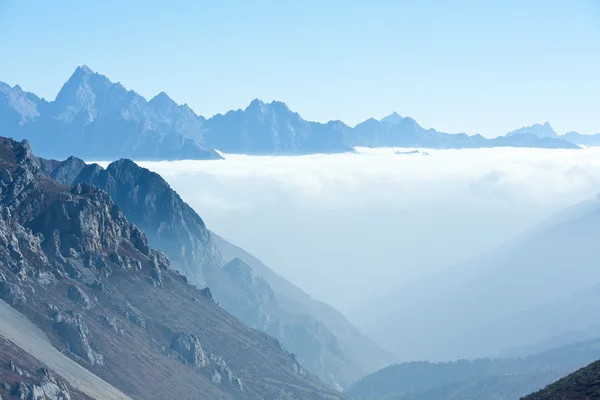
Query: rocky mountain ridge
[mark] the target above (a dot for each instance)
(539, 285)
(582, 384)
(96, 119)
(73, 265)
(327, 346)
(484, 378)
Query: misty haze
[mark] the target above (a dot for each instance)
(314, 200)
(328, 222)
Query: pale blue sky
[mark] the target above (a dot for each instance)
(471, 66)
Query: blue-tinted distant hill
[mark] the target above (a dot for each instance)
(94, 118)
(546, 131)
(483, 378)
(272, 128)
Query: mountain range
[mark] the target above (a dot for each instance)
(485, 378)
(325, 342)
(96, 119)
(542, 284)
(88, 305)
(546, 131)
(581, 384)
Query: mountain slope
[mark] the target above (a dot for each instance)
(539, 130)
(327, 344)
(272, 128)
(546, 131)
(355, 345)
(486, 378)
(21, 334)
(76, 268)
(537, 276)
(95, 118)
(583, 384)
(585, 140)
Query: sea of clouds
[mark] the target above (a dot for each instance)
(348, 228)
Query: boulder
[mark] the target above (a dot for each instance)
(189, 348)
(78, 296)
(73, 330)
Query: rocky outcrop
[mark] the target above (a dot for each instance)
(173, 227)
(47, 388)
(132, 314)
(169, 223)
(74, 331)
(41, 385)
(189, 348)
(97, 119)
(10, 292)
(62, 171)
(54, 237)
(222, 373)
(78, 296)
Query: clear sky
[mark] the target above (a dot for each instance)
(458, 66)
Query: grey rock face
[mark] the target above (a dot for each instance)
(14, 368)
(189, 348)
(296, 364)
(133, 315)
(52, 230)
(223, 374)
(10, 292)
(175, 228)
(44, 387)
(206, 292)
(169, 223)
(68, 170)
(111, 322)
(74, 331)
(216, 377)
(49, 388)
(78, 296)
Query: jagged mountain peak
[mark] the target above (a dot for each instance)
(258, 105)
(84, 69)
(255, 104)
(86, 91)
(540, 130)
(79, 270)
(392, 119)
(129, 170)
(13, 151)
(163, 100)
(80, 75)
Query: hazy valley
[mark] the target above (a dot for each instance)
(299, 200)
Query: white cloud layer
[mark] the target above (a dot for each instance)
(348, 227)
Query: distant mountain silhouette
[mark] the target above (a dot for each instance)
(392, 119)
(96, 119)
(542, 131)
(585, 140)
(484, 378)
(272, 128)
(538, 286)
(546, 131)
(582, 384)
